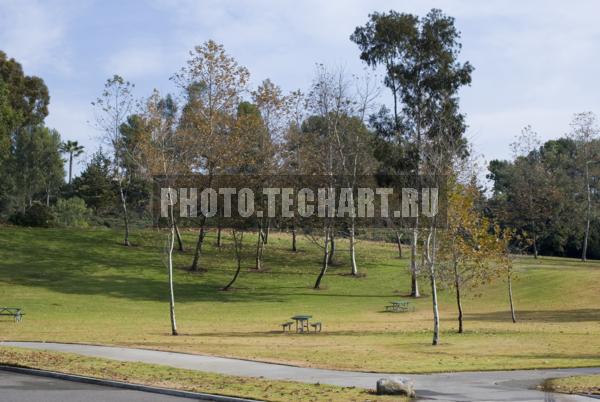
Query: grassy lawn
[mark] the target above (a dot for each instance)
(83, 286)
(584, 384)
(188, 380)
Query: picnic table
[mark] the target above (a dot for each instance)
(302, 322)
(12, 311)
(400, 306)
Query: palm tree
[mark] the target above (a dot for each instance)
(74, 150)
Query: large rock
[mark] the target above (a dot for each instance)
(395, 386)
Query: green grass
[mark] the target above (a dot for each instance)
(583, 384)
(83, 286)
(187, 380)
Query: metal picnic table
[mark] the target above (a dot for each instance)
(399, 306)
(302, 322)
(12, 311)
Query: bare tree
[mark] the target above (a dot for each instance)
(345, 136)
(169, 252)
(272, 106)
(327, 101)
(293, 146)
(111, 110)
(529, 175)
(507, 237)
(164, 152)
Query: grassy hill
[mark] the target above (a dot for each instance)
(83, 286)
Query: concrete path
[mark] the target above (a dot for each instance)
(468, 386)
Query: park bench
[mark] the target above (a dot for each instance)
(287, 325)
(12, 311)
(316, 326)
(400, 306)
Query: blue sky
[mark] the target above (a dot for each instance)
(536, 62)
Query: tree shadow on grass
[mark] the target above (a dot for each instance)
(93, 263)
(278, 332)
(318, 293)
(231, 334)
(128, 284)
(572, 315)
(130, 281)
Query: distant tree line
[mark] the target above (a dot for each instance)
(550, 191)
(32, 165)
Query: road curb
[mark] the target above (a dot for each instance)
(124, 385)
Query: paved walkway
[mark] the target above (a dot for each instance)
(468, 386)
(29, 388)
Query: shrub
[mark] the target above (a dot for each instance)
(71, 212)
(37, 215)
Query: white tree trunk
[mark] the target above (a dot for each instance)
(353, 249)
(588, 215)
(170, 246)
(510, 298)
(414, 288)
(436, 312)
(125, 217)
(430, 258)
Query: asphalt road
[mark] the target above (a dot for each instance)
(16, 387)
(517, 385)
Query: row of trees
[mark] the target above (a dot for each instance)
(216, 125)
(548, 191)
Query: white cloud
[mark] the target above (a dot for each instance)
(535, 61)
(35, 33)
